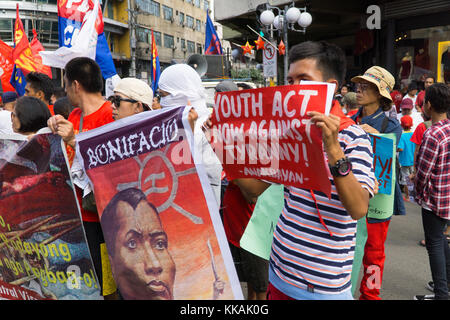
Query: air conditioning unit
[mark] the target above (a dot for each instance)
(174, 47)
(172, 19)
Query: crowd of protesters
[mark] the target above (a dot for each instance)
(314, 240)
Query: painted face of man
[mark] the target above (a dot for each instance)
(142, 265)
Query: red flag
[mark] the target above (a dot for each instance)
(6, 66)
(259, 43)
(22, 54)
(36, 47)
(282, 48)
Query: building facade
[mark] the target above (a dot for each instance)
(178, 27)
(42, 15)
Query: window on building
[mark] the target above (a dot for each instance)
(189, 1)
(142, 34)
(6, 30)
(199, 48)
(181, 17)
(198, 25)
(191, 46)
(190, 21)
(206, 4)
(149, 6)
(168, 41)
(158, 38)
(182, 44)
(168, 13)
(197, 3)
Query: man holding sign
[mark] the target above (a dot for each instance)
(314, 240)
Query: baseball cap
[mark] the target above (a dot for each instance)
(380, 77)
(9, 96)
(406, 104)
(135, 89)
(406, 121)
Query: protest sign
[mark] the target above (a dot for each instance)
(266, 134)
(159, 217)
(258, 234)
(43, 248)
(381, 206)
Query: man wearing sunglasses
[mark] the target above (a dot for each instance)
(131, 96)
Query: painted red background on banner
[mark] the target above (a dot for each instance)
(179, 187)
(274, 123)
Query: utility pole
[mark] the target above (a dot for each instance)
(132, 27)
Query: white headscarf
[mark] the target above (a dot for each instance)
(184, 85)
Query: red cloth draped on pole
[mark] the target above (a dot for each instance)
(6, 66)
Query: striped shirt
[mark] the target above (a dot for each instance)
(314, 250)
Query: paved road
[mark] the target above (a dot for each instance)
(407, 269)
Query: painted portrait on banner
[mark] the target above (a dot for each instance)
(159, 217)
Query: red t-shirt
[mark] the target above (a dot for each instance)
(352, 113)
(418, 134)
(420, 98)
(97, 119)
(51, 108)
(236, 213)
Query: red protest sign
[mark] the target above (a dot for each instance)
(266, 134)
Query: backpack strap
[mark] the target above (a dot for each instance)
(384, 124)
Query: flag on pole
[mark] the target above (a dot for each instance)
(74, 30)
(212, 42)
(37, 47)
(22, 53)
(83, 45)
(154, 65)
(18, 81)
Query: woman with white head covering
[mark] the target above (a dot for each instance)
(180, 85)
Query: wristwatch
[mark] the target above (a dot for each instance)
(341, 168)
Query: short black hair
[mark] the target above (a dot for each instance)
(59, 92)
(329, 57)
(244, 85)
(438, 94)
(32, 113)
(87, 72)
(41, 82)
(63, 107)
(133, 197)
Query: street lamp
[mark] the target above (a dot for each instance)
(284, 21)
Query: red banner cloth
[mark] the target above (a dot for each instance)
(266, 134)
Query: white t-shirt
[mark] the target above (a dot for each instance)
(5, 122)
(416, 116)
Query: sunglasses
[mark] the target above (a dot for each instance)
(116, 100)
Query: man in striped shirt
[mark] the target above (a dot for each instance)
(314, 241)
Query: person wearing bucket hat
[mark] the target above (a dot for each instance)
(131, 96)
(373, 90)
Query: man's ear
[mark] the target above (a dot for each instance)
(40, 95)
(138, 108)
(332, 80)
